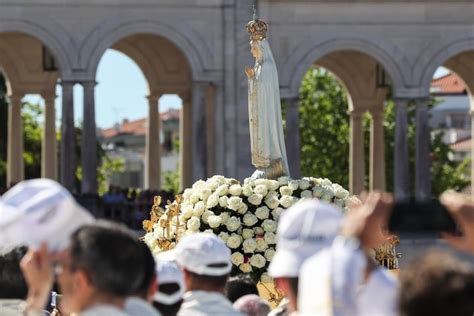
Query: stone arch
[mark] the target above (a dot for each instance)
(299, 63)
(51, 39)
(440, 57)
(100, 40)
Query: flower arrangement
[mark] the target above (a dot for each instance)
(244, 216)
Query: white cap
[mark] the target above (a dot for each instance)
(303, 229)
(37, 211)
(202, 253)
(169, 272)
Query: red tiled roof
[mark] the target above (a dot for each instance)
(137, 127)
(462, 145)
(448, 84)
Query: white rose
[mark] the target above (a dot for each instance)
(245, 268)
(341, 193)
(247, 190)
(208, 231)
(304, 184)
(294, 184)
(265, 278)
(218, 178)
(247, 233)
(224, 236)
(262, 212)
(258, 261)
(272, 202)
(214, 221)
(243, 209)
(258, 182)
(318, 191)
(326, 181)
(205, 216)
(255, 199)
(271, 194)
(235, 189)
(212, 185)
(222, 190)
(286, 201)
(204, 194)
(339, 202)
(194, 198)
(327, 198)
(283, 180)
(199, 208)
(269, 225)
(261, 189)
(250, 219)
(270, 238)
(234, 203)
(306, 194)
(276, 213)
(213, 200)
(269, 254)
(198, 184)
(259, 231)
(249, 245)
(224, 217)
(187, 194)
(237, 258)
(233, 224)
(223, 201)
(188, 211)
(286, 190)
(261, 244)
(193, 224)
(273, 185)
(234, 241)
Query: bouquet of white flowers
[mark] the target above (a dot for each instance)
(244, 216)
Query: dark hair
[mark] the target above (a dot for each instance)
(437, 284)
(12, 282)
(240, 285)
(209, 280)
(110, 254)
(293, 283)
(168, 310)
(149, 270)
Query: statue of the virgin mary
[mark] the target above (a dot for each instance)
(266, 128)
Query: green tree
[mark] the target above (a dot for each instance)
(324, 129)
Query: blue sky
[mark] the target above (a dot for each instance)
(121, 92)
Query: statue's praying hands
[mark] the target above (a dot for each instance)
(250, 72)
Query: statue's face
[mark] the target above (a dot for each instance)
(255, 49)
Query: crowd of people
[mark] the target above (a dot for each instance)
(323, 265)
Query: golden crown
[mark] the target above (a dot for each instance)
(257, 28)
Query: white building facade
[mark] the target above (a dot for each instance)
(198, 49)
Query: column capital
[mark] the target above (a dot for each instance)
(16, 97)
(376, 113)
(355, 113)
(88, 84)
(49, 96)
(153, 98)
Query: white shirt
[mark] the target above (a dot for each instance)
(201, 303)
(135, 306)
(379, 295)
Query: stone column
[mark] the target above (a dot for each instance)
(48, 148)
(15, 164)
(423, 159)
(199, 139)
(211, 92)
(185, 136)
(356, 158)
(401, 167)
(67, 149)
(153, 145)
(89, 140)
(293, 143)
(377, 151)
(472, 143)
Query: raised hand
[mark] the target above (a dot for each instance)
(249, 72)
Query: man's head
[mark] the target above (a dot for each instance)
(240, 285)
(205, 260)
(437, 284)
(149, 283)
(12, 282)
(170, 292)
(304, 229)
(101, 265)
